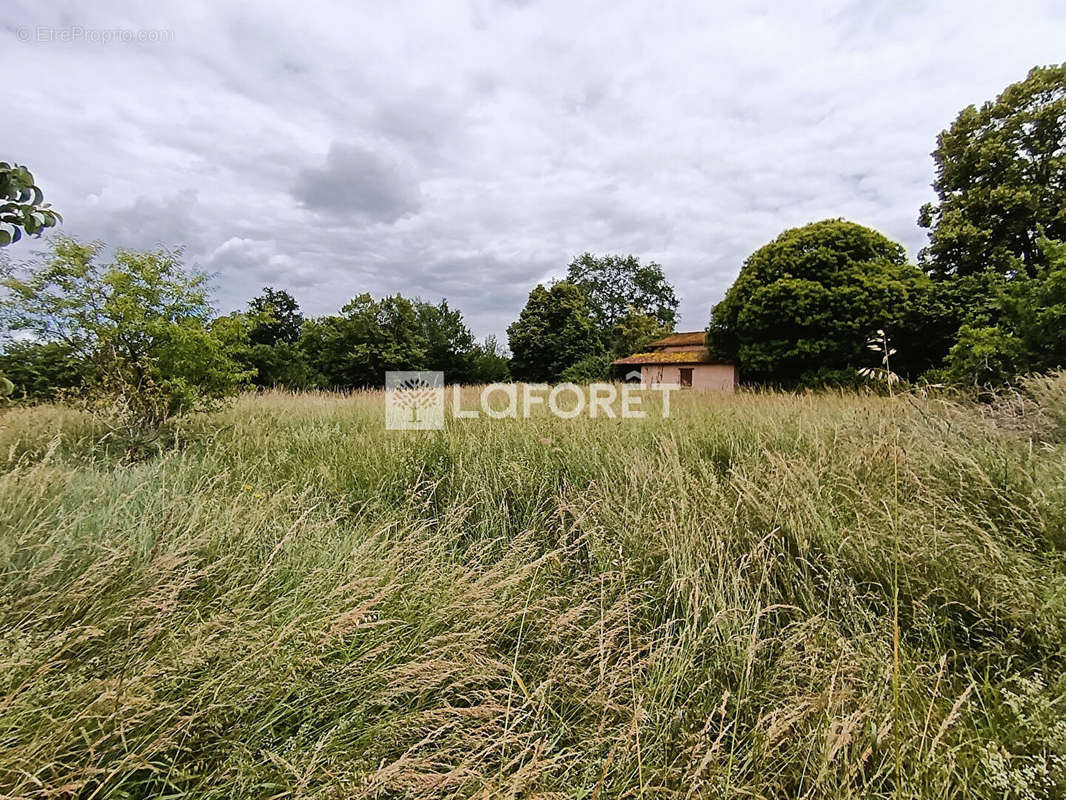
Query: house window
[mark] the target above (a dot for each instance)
(686, 377)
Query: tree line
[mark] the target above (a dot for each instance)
(145, 314)
(986, 301)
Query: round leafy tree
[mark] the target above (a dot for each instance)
(616, 285)
(804, 306)
(554, 332)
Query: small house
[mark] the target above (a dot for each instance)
(681, 359)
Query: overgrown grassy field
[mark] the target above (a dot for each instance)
(765, 595)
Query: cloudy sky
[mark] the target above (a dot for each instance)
(471, 149)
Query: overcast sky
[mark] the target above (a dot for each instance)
(469, 150)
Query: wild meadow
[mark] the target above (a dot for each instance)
(824, 595)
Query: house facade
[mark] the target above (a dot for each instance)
(683, 360)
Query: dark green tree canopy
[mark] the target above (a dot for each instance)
(554, 331)
(369, 337)
(1026, 332)
(805, 304)
(1000, 174)
(22, 206)
(448, 342)
(615, 284)
(355, 348)
(277, 317)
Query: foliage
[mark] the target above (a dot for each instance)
(941, 312)
(766, 596)
(449, 345)
(369, 337)
(355, 348)
(42, 370)
(999, 176)
(277, 318)
(140, 325)
(282, 364)
(22, 206)
(590, 369)
(613, 285)
(554, 331)
(488, 362)
(634, 331)
(1027, 332)
(809, 300)
(273, 353)
(985, 356)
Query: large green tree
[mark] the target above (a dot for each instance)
(141, 325)
(554, 332)
(448, 342)
(355, 348)
(1000, 175)
(616, 285)
(277, 317)
(804, 306)
(274, 352)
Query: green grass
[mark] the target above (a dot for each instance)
(765, 595)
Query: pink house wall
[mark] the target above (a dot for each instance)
(707, 377)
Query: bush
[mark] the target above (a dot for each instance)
(42, 370)
(588, 370)
(984, 357)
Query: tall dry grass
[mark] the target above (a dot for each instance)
(765, 595)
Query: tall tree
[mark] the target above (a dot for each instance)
(447, 340)
(369, 337)
(554, 331)
(274, 354)
(804, 305)
(277, 317)
(615, 284)
(1000, 175)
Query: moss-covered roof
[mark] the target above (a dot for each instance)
(700, 356)
(693, 338)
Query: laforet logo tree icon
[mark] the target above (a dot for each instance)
(415, 393)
